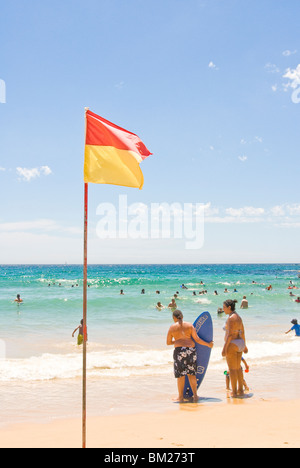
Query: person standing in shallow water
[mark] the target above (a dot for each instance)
(183, 336)
(235, 346)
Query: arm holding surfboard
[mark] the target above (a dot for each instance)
(199, 341)
(178, 337)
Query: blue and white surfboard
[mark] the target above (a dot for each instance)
(204, 329)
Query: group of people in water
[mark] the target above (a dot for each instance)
(183, 336)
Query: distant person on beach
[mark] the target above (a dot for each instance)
(182, 335)
(235, 346)
(19, 300)
(244, 303)
(80, 334)
(295, 327)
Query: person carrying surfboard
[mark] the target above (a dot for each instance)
(182, 335)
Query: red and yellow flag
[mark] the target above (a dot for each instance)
(112, 154)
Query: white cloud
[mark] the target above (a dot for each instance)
(294, 209)
(278, 210)
(288, 53)
(2, 169)
(212, 66)
(272, 68)
(246, 211)
(294, 76)
(45, 170)
(243, 158)
(40, 226)
(250, 141)
(120, 85)
(285, 215)
(286, 209)
(29, 174)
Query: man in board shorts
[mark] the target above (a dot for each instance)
(183, 336)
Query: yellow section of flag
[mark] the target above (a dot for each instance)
(112, 154)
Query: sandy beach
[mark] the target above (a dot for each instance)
(130, 376)
(236, 423)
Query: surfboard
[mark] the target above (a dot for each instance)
(204, 329)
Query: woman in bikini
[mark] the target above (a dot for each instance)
(183, 336)
(235, 346)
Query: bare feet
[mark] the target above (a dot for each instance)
(237, 395)
(178, 400)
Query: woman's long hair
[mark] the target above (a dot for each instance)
(178, 315)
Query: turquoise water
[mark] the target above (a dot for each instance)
(126, 350)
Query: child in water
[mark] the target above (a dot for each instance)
(80, 334)
(295, 327)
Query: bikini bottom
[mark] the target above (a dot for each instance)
(240, 344)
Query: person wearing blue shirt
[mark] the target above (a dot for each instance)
(295, 327)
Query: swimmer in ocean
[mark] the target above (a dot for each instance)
(244, 303)
(172, 305)
(18, 300)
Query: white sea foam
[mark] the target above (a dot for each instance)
(101, 364)
(203, 301)
(136, 362)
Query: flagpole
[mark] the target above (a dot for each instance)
(85, 265)
(84, 316)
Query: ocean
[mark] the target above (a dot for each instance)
(129, 365)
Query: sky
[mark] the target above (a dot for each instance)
(212, 87)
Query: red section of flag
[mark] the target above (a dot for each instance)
(101, 132)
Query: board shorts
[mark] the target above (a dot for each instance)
(185, 362)
(80, 340)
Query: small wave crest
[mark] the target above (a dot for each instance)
(109, 363)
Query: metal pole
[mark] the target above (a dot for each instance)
(84, 316)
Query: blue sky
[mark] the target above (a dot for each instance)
(209, 86)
